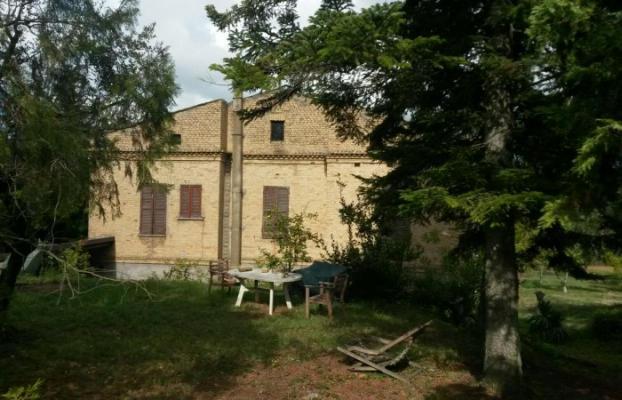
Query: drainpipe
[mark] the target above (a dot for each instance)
(237, 138)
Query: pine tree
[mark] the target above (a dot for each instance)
(498, 116)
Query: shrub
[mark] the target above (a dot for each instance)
(376, 267)
(546, 324)
(375, 261)
(453, 288)
(607, 326)
(292, 237)
(184, 270)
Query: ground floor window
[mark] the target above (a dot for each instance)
(190, 201)
(152, 211)
(275, 201)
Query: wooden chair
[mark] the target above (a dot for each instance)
(327, 292)
(380, 359)
(219, 275)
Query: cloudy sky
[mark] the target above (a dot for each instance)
(195, 44)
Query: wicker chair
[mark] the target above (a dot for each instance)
(328, 291)
(219, 275)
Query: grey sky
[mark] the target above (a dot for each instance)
(194, 44)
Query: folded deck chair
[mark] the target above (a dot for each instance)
(380, 359)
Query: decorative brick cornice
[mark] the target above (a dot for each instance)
(215, 155)
(310, 156)
(176, 155)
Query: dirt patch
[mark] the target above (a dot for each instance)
(328, 377)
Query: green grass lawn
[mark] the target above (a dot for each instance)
(585, 359)
(115, 342)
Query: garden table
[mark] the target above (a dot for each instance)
(273, 278)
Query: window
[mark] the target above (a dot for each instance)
(275, 200)
(190, 201)
(152, 211)
(176, 139)
(277, 131)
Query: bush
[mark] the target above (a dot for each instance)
(453, 289)
(375, 261)
(376, 267)
(607, 326)
(546, 324)
(184, 270)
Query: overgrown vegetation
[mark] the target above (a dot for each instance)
(547, 323)
(453, 288)
(376, 261)
(185, 270)
(71, 72)
(184, 344)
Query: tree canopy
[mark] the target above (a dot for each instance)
(501, 117)
(70, 73)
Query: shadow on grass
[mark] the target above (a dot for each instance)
(111, 343)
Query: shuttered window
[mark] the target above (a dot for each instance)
(275, 200)
(190, 201)
(152, 211)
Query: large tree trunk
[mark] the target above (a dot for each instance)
(502, 358)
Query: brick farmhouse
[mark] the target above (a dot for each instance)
(290, 159)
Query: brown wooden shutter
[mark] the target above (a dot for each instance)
(159, 212)
(184, 201)
(195, 202)
(275, 199)
(190, 201)
(146, 211)
(282, 200)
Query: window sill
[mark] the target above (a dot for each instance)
(146, 235)
(190, 218)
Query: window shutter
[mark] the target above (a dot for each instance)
(184, 201)
(190, 201)
(275, 199)
(282, 200)
(195, 203)
(146, 210)
(159, 212)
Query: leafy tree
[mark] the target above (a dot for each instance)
(291, 236)
(495, 115)
(70, 73)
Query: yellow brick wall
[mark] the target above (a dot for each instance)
(195, 240)
(314, 188)
(202, 128)
(316, 184)
(306, 131)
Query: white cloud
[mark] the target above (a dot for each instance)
(195, 44)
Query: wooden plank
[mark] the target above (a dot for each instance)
(405, 336)
(391, 343)
(372, 364)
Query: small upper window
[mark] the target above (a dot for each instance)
(176, 138)
(277, 131)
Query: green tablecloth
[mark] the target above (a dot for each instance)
(320, 271)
